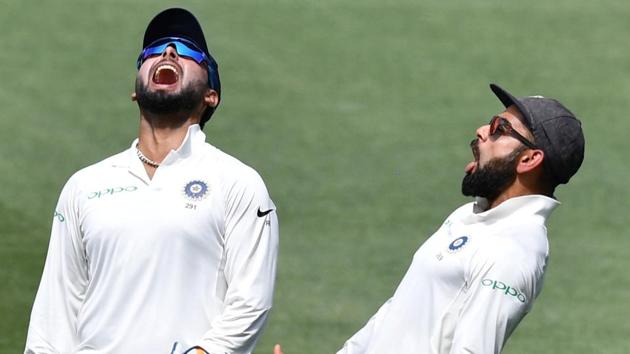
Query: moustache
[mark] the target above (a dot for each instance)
(474, 146)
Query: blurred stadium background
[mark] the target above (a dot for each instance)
(357, 113)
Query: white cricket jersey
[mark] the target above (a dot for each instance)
(468, 285)
(135, 264)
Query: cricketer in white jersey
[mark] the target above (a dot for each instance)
(472, 282)
(468, 285)
(137, 264)
(169, 246)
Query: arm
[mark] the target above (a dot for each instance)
(358, 342)
(53, 323)
(502, 289)
(251, 245)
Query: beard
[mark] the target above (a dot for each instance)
(492, 179)
(161, 104)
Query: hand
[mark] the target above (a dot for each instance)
(277, 349)
(192, 350)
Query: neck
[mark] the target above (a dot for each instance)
(508, 194)
(156, 140)
(520, 187)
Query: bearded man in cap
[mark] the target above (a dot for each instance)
(476, 277)
(169, 246)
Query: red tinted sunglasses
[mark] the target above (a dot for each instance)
(502, 126)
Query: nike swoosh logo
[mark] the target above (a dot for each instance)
(263, 213)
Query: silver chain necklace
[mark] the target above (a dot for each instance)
(145, 159)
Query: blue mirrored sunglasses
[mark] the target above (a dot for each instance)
(183, 47)
(187, 49)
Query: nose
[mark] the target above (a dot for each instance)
(483, 132)
(170, 52)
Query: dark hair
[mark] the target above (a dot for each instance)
(207, 114)
(209, 111)
(546, 178)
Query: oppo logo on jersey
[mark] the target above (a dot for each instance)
(504, 288)
(59, 216)
(111, 191)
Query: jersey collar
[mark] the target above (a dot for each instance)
(194, 137)
(537, 205)
(193, 141)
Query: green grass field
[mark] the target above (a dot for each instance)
(357, 113)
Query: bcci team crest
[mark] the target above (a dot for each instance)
(458, 243)
(196, 190)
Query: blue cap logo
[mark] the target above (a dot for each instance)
(196, 190)
(458, 243)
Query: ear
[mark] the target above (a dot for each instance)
(134, 97)
(211, 98)
(530, 160)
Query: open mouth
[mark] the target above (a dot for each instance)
(472, 166)
(165, 74)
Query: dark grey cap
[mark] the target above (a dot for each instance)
(557, 132)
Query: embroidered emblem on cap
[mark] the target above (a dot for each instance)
(196, 190)
(458, 243)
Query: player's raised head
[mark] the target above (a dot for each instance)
(178, 31)
(555, 129)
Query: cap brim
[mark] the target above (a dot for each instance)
(508, 100)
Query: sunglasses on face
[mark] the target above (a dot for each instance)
(184, 48)
(501, 126)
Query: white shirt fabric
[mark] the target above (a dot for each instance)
(135, 264)
(469, 284)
